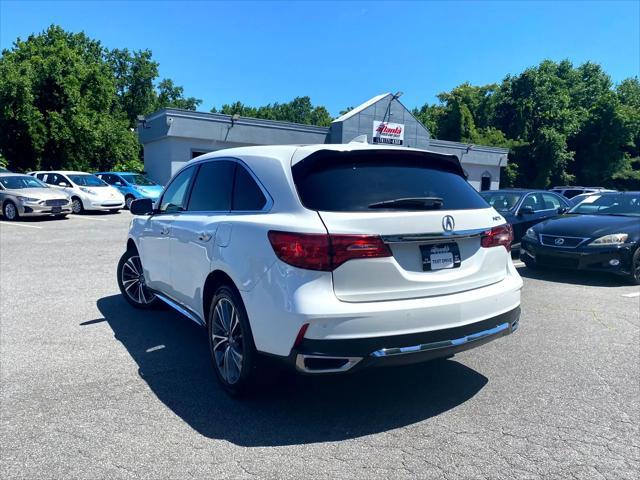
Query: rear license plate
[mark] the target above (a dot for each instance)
(56, 209)
(440, 256)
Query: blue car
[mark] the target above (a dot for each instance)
(132, 185)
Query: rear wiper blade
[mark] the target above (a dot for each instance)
(412, 203)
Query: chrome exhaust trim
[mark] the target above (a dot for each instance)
(301, 366)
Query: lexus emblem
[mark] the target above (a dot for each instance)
(448, 223)
(559, 241)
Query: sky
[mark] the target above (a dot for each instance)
(343, 53)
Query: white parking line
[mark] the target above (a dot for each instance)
(19, 225)
(87, 218)
(632, 295)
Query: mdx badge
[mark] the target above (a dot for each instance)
(448, 223)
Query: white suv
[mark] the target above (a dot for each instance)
(87, 192)
(329, 257)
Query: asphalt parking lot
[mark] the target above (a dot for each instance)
(91, 388)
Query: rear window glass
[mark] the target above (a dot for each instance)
(357, 181)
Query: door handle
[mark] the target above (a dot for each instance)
(204, 236)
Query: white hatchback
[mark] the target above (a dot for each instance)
(329, 257)
(87, 192)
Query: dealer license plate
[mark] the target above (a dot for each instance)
(440, 256)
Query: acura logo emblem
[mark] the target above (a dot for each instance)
(559, 241)
(448, 223)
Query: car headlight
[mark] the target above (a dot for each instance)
(28, 200)
(531, 234)
(88, 190)
(610, 240)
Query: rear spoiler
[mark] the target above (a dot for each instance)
(440, 160)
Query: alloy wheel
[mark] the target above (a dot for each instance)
(76, 206)
(128, 201)
(10, 211)
(226, 335)
(134, 283)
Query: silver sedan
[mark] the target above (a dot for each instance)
(23, 195)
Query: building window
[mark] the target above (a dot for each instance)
(485, 182)
(197, 153)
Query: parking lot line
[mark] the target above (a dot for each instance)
(631, 295)
(19, 224)
(87, 218)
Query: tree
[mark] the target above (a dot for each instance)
(172, 96)
(57, 104)
(299, 110)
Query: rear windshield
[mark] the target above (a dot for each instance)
(361, 181)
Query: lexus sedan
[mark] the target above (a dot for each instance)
(330, 258)
(524, 208)
(600, 233)
(25, 196)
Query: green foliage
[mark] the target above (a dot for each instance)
(67, 102)
(299, 110)
(561, 123)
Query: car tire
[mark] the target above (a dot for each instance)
(531, 264)
(132, 283)
(634, 276)
(76, 206)
(115, 210)
(128, 201)
(233, 351)
(10, 211)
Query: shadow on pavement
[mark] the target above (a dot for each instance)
(575, 277)
(173, 358)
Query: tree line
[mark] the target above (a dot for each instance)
(68, 102)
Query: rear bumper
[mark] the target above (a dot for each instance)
(337, 356)
(585, 258)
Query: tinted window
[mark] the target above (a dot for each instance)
(174, 198)
(247, 195)
(610, 204)
(136, 179)
(551, 201)
(85, 180)
(212, 188)
(354, 181)
(502, 200)
(572, 193)
(535, 201)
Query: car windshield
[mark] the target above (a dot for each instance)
(21, 181)
(137, 179)
(610, 204)
(87, 180)
(502, 201)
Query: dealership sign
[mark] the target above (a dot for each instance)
(384, 132)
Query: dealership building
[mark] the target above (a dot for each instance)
(171, 137)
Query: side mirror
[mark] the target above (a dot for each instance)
(62, 184)
(142, 206)
(562, 210)
(525, 211)
(118, 184)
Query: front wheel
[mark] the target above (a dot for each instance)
(132, 282)
(634, 276)
(76, 206)
(128, 201)
(230, 341)
(10, 211)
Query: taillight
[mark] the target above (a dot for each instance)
(314, 251)
(502, 235)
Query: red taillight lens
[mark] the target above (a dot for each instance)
(502, 235)
(325, 252)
